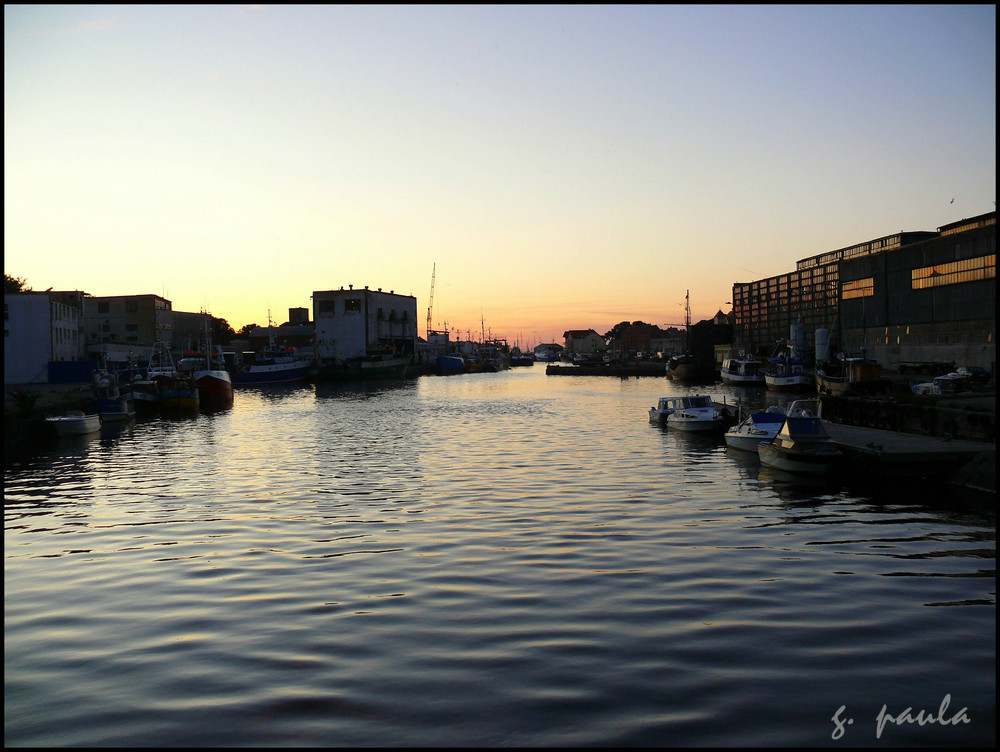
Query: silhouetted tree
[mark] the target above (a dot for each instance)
(15, 284)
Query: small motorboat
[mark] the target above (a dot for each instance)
(802, 445)
(755, 428)
(696, 413)
(76, 423)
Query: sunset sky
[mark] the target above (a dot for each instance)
(564, 167)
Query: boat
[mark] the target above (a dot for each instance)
(664, 406)
(208, 369)
(849, 375)
(450, 364)
(744, 370)
(518, 358)
(786, 371)
(755, 428)
(694, 412)
(802, 445)
(111, 404)
(548, 352)
(272, 365)
(378, 365)
(76, 423)
(683, 368)
(176, 392)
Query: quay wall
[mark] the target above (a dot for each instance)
(973, 422)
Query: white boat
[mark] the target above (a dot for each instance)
(755, 428)
(664, 406)
(76, 423)
(744, 370)
(802, 445)
(694, 412)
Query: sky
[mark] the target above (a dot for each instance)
(553, 167)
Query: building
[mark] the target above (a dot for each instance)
(927, 296)
(929, 302)
(584, 342)
(117, 324)
(355, 323)
(39, 329)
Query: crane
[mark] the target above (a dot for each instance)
(430, 306)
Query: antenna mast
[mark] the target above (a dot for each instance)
(430, 305)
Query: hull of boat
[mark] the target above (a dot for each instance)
(808, 462)
(363, 369)
(798, 383)
(745, 443)
(272, 374)
(76, 425)
(447, 364)
(694, 426)
(112, 410)
(215, 389)
(735, 379)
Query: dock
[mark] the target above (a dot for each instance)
(894, 453)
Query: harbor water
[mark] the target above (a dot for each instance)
(505, 559)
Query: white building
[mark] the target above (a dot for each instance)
(354, 323)
(37, 329)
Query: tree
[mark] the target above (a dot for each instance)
(15, 284)
(222, 332)
(247, 328)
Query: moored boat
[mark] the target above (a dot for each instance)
(744, 370)
(272, 365)
(787, 372)
(208, 371)
(755, 428)
(362, 368)
(696, 413)
(802, 445)
(76, 423)
(450, 364)
(664, 406)
(111, 403)
(849, 375)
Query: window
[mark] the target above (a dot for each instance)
(859, 288)
(352, 305)
(131, 306)
(327, 307)
(967, 270)
(103, 306)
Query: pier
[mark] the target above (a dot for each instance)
(903, 454)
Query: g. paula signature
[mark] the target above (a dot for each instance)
(907, 716)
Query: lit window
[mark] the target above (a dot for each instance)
(967, 270)
(859, 288)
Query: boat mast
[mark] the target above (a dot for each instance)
(687, 322)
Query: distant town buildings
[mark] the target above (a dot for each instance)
(908, 297)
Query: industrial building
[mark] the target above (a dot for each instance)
(907, 298)
(354, 323)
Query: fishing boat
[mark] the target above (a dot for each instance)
(786, 371)
(208, 370)
(519, 358)
(176, 392)
(849, 375)
(755, 428)
(111, 403)
(272, 365)
(450, 364)
(547, 352)
(376, 365)
(76, 423)
(743, 370)
(802, 445)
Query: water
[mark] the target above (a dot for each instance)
(499, 559)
